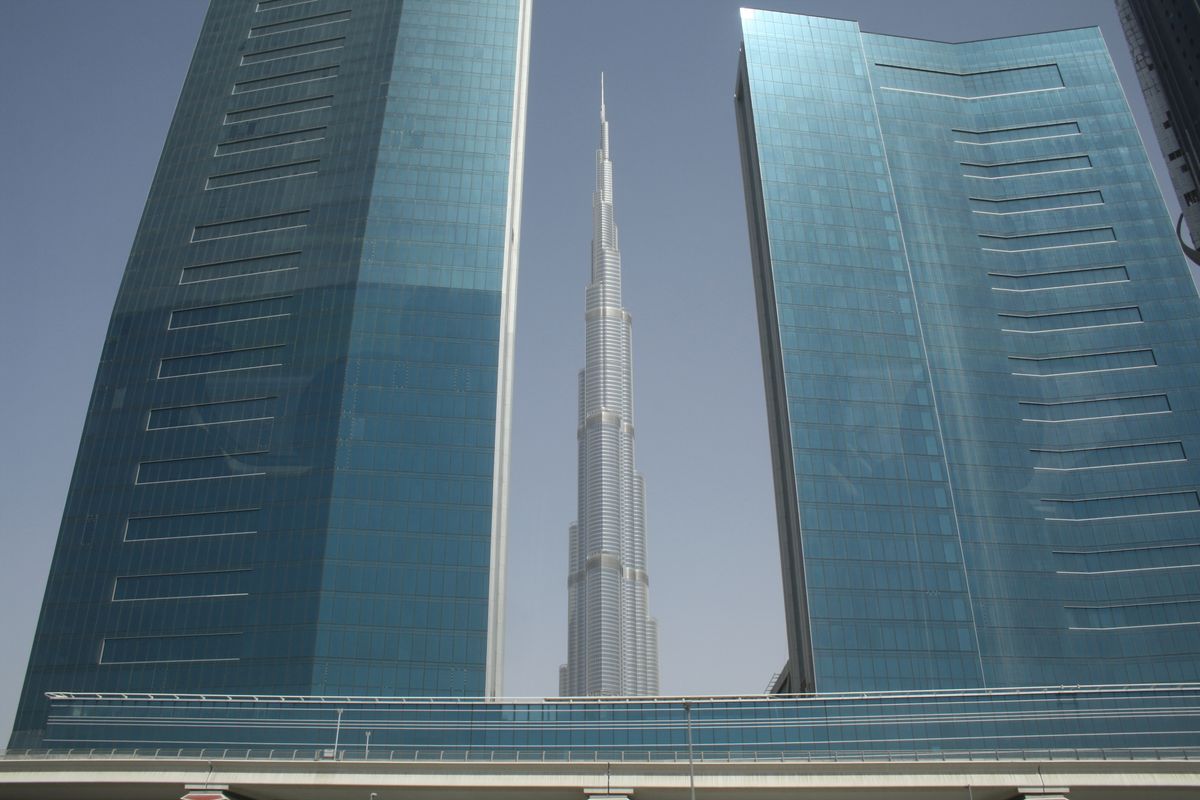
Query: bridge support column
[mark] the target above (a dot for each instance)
(608, 794)
(1042, 793)
(208, 792)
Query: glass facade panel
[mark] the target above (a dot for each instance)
(981, 361)
(290, 464)
(1068, 723)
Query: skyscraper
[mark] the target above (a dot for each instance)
(293, 469)
(1162, 40)
(612, 641)
(980, 353)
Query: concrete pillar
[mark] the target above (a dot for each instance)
(209, 792)
(608, 794)
(1042, 793)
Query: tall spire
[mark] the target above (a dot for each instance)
(602, 116)
(612, 641)
(603, 122)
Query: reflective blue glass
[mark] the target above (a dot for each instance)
(286, 476)
(1111, 722)
(980, 344)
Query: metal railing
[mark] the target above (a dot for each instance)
(640, 756)
(1155, 722)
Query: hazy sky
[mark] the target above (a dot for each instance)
(88, 94)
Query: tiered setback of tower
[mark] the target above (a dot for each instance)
(612, 642)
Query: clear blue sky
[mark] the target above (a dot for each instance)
(88, 93)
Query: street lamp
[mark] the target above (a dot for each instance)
(337, 733)
(687, 709)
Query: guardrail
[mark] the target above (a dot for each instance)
(359, 754)
(1041, 723)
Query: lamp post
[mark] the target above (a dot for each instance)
(337, 733)
(687, 709)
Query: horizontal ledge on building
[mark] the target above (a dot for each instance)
(614, 312)
(606, 418)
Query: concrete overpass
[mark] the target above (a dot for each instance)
(76, 776)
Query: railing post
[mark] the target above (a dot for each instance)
(687, 709)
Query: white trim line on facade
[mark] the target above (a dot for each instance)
(1014, 141)
(1123, 516)
(1110, 466)
(272, 116)
(205, 424)
(1047, 247)
(188, 536)
(494, 667)
(208, 188)
(104, 642)
(1134, 627)
(175, 597)
(1028, 211)
(1123, 571)
(235, 92)
(210, 404)
(258, 6)
(374, 700)
(252, 35)
(1145, 548)
(245, 63)
(175, 661)
(212, 371)
(119, 578)
(265, 147)
(1050, 288)
(1083, 372)
(1025, 174)
(224, 321)
(1076, 328)
(1034, 234)
(137, 482)
(182, 282)
(1086, 419)
(194, 240)
(972, 97)
(974, 73)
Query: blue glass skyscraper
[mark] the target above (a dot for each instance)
(293, 468)
(980, 349)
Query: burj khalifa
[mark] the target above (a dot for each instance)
(612, 641)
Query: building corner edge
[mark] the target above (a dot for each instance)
(494, 669)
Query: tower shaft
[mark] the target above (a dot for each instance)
(612, 644)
